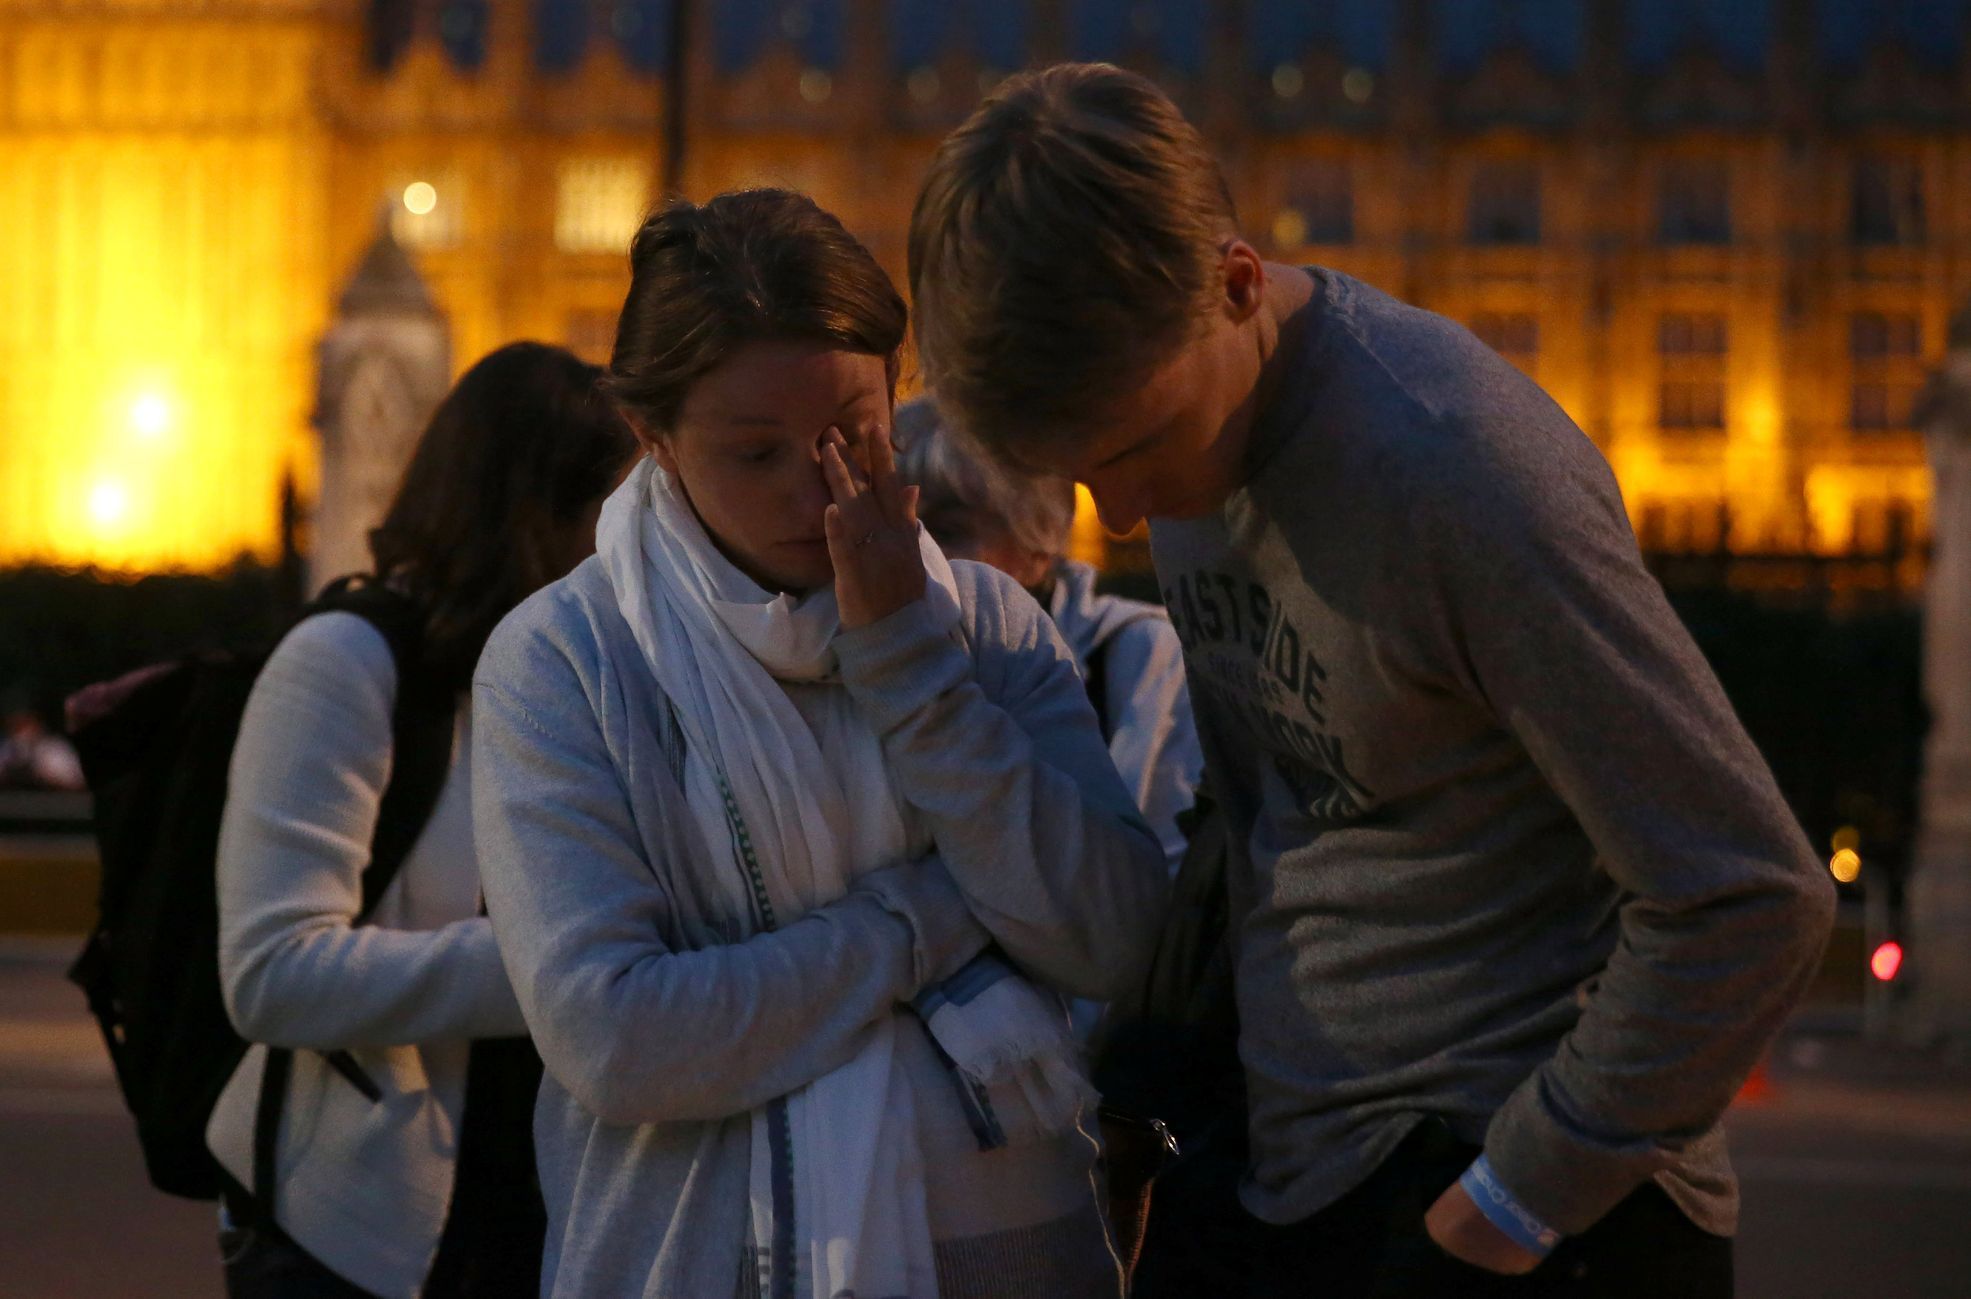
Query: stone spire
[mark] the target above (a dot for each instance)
(385, 364)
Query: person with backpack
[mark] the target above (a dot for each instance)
(392, 1157)
(794, 833)
(1128, 655)
(1515, 905)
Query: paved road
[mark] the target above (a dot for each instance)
(1857, 1168)
(80, 1221)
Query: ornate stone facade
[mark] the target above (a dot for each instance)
(1726, 237)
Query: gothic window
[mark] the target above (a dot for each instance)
(1693, 203)
(642, 31)
(1881, 527)
(1684, 527)
(1319, 206)
(1514, 335)
(1504, 205)
(462, 32)
(1691, 351)
(392, 25)
(599, 203)
(561, 33)
(1885, 352)
(1887, 202)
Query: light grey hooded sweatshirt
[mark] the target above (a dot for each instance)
(1146, 710)
(662, 1029)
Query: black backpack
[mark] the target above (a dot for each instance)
(1168, 1050)
(156, 747)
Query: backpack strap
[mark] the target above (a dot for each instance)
(422, 725)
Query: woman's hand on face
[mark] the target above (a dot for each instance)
(872, 529)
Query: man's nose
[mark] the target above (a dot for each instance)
(1118, 506)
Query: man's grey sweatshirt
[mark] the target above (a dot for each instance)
(1504, 853)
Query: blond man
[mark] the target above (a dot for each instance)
(1517, 905)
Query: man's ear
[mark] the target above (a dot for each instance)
(1245, 281)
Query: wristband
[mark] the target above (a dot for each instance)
(1504, 1212)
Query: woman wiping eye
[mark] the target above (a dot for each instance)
(799, 835)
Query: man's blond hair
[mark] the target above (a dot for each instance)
(1068, 234)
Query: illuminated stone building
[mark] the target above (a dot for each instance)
(1727, 235)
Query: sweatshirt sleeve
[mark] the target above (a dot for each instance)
(1152, 737)
(1558, 629)
(637, 1031)
(308, 772)
(1004, 758)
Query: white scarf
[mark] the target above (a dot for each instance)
(837, 1183)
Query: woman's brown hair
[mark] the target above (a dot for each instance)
(518, 454)
(748, 266)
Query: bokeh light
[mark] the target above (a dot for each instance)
(1845, 865)
(109, 503)
(150, 415)
(1887, 962)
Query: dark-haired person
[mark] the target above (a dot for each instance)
(1516, 903)
(500, 497)
(757, 788)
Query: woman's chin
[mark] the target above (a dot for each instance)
(797, 569)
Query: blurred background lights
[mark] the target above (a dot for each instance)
(1288, 81)
(1289, 229)
(1845, 865)
(1357, 84)
(109, 502)
(1887, 961)
(420, 197)
(816, 85)
(1846, 837)
(150, 415)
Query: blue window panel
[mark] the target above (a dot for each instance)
(740, 32)
(1281, 31)
(1099, 29)
(822, 34)
(1469, 32)
(921, 30)
(999, 31)
(392, 25)
(918, 30)
(1556, 31)
(642, 31)
(462, 33)
(561, 33)
(1183, 34)
(1931, 30)
(1739, 31)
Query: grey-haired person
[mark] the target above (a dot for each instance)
(1127, 651)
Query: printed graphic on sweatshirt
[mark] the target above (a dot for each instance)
(1246, 658)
